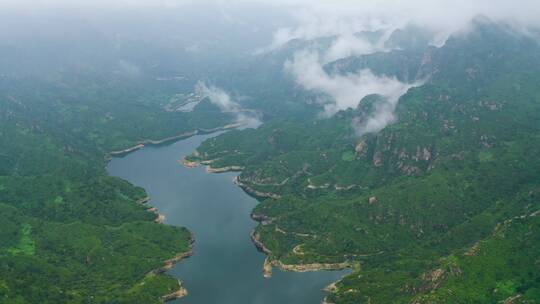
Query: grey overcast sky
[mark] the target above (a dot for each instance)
(325, 17)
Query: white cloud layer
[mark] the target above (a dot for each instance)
(343, 17)
(343, 20)
(346, 91)
(226, 104)
(324, 18)
(349, 45)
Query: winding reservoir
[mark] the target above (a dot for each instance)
(226, 268)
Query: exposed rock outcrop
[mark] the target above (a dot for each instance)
(377, 159)
(312, 266)
(254, 192)
(179, 293)
(160, 219)
(267, 268)
(209, 169)
(189, 164)
(168, 264)
(127, 151)
(143, 200)
(361, 147)
(171, 139)
(255, 237)
(261, 218)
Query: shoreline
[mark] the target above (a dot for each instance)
(151, 142)
(209, 169)
(255, 193)
(160, 218)
(168, 264)
(269, 263)
(208, 163)
(179, 293)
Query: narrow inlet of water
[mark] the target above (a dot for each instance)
(226, 268)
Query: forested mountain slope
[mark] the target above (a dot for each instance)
(439, 207)
(69, 232)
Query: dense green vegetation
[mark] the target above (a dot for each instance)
(69, 233)
(440, 207)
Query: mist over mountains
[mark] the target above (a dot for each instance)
(395, 138)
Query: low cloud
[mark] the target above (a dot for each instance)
(347, 22)
(350, 45)
(346, 91)
(317, 19)
(380, 118)
(226, 104)
(128, 69)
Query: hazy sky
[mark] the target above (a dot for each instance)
(325, 17)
